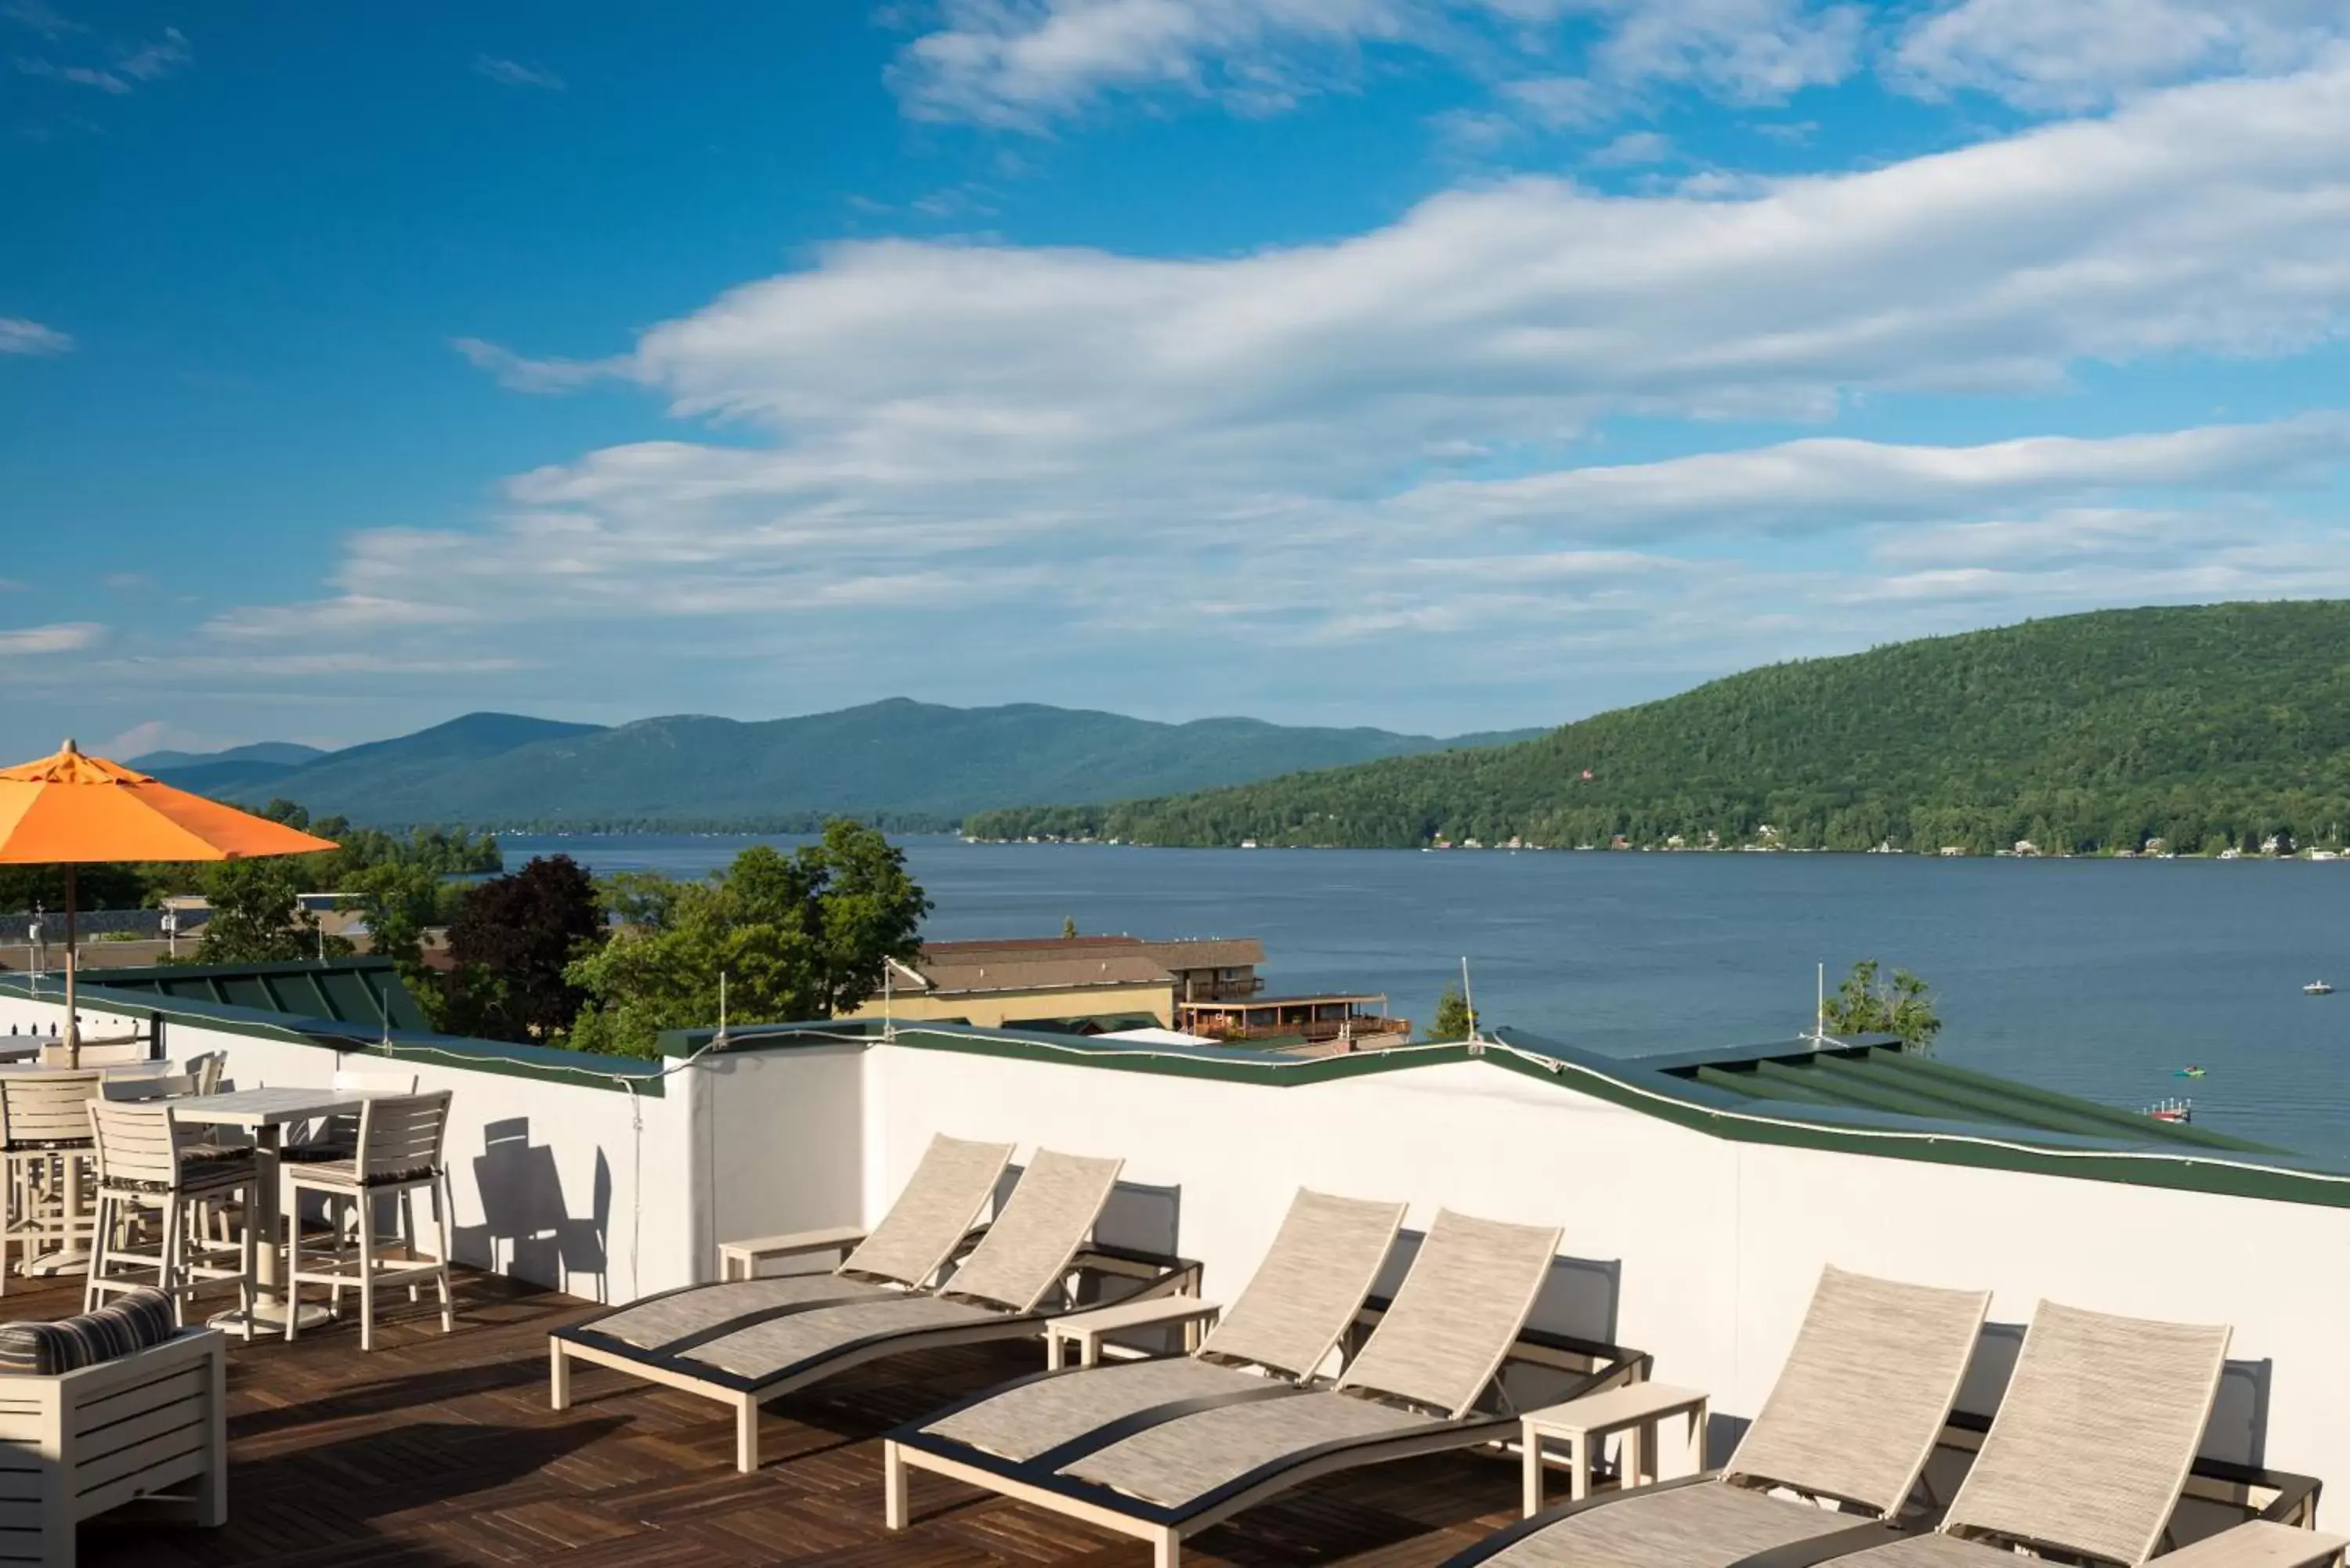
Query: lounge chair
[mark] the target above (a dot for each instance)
(1207, 1442)
(1855, 1415)
(2085, 1463)
(2088, 1454)
(745, 1342)
(1304, 1297)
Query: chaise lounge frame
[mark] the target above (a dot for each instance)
(1097, 1275)
(1593, 1366)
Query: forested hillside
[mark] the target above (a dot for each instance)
(908, 765)
(2208, 727)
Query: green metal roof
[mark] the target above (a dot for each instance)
(365, 992)
(1880, 1076)
(1088, 1022)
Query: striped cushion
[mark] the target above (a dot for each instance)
(346, 1173)
(224, 1171)
(139, 1319)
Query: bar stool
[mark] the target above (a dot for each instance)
(44, 1125)
(398, 1152)
(146, 1159)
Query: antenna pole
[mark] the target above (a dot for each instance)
(1469, 998)
(1820, 1009)
(721, 1004)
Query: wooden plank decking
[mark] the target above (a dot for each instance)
(440, 1450)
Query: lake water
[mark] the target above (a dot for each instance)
(2098, 978)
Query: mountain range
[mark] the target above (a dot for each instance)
(905, 764)
(2209, 728)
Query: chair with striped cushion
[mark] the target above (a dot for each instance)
(398, 1153)
(44, 1127)
(147, 1159)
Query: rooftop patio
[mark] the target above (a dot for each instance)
(441, 1450)
(1698, 1197)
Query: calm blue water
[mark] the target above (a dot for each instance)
(2097, 978)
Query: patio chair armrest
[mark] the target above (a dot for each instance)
(751, 1251)
(2259, 1544)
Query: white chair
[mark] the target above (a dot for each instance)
(398, 1151)
(147, 1159)
(44, 1123)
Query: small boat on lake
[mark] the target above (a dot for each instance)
(2176, 1111)
(2317, 987)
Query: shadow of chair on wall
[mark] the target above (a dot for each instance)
(528, 1227)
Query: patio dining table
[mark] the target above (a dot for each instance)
(266, 1112)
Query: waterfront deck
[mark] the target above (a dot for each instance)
(441, 1450)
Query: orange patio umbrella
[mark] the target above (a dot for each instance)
(70, 810)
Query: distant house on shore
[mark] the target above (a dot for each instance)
(1069, 982)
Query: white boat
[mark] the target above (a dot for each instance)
(2317, 987)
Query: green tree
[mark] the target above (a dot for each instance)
(95, 887)
(793, 937)
(1068, 927)
(1453, 1019)
(257, 915)
(400, 903)
(1904, 1008)
(511, 942)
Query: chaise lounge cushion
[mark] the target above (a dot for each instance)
(1708, 1525)
(120, 1328)
(1025, 1421)
(1179, 1461)
(667, 1319)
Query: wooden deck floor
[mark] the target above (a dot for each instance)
(440, 1450)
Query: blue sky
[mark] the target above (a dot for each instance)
(1438, 364)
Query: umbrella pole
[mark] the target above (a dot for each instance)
(73, 1027)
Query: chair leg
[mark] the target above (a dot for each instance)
(248, 1272)
(292, 1221)
(100, 1235)
(441, 1255)
(408, 1236)
(367, 1272)
(177, 1278)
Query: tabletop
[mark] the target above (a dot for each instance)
(1149, 1312)
(268, 1108)
(111, 1069)
(1632, 1403)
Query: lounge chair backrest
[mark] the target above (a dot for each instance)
(1324, 1261)
(2093, 1438)
(933, 1212)
(1458, 1313)
(1864, 1393)
(1043, 1224)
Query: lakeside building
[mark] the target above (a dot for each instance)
(1077, 984)
(1699, 1195)
(1337, 1022)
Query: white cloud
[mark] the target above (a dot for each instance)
(158, 58)
(65, 637)
(1217, 458)
(18, 335)
(1829, 483)
(2079, 54)
(1633, 148)
(514, 73)
(1022, 63)
(520, 375)
(148, 62)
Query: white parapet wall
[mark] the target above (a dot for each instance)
(1715, 1244)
